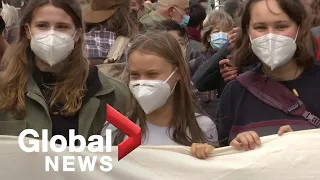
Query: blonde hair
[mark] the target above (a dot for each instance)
(216, 19)
(17, 68)
(164, 45)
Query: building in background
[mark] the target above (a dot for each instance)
(218, 4)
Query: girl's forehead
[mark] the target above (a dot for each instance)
(143, 61)
(52, 14)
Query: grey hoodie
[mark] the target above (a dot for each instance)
(316, 31)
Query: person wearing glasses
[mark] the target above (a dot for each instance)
(177, 10)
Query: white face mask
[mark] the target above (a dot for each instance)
(151, 94)
(274, 50)
(52, 47)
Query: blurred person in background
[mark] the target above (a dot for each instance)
(214, 36)
(197, 16)
(235, 9)
(206, 4)
(191, 48)
(162, 103)
(315, 6)
(242, 117)
(231, 7)
(313, 9)
(152, 5)
(173, 13)
(139, 9)
(136, 5)
(315, 15)
(177, 10)
(206, 73)
(10, 15)
(227, 69)
(105, 21)
(46, 82)
(177, 31)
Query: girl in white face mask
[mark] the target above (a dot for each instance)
(46, 82)
(162, 101)
(276, 36)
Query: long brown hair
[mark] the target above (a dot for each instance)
(306, 43)
(17, 67)
(164, 45)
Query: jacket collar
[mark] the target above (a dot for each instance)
(88, 110)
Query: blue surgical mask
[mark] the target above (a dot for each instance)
(185, 21)
(218, 40)
(185, 18)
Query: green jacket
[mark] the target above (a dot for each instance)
(92, 115)
(151, 20)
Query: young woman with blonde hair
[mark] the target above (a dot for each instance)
(162, 103)
(46, 82)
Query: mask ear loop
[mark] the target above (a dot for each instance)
(174, 84)
(170, 76)
(250, 38)
(74, 35)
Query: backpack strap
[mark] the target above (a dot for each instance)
(276, 95)
(117, 49)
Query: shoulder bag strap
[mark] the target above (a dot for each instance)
(276, 95)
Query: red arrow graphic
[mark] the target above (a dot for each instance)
(126, 126)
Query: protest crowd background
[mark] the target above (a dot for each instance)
(199, 73)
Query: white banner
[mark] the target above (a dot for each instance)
(294, 156)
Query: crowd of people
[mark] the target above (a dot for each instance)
(185, 73)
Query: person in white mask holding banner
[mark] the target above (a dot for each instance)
(45, 81)
(162, 102)
(281, 94)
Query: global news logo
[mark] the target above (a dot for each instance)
(96, 144)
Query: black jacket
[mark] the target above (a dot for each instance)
(208, 77)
